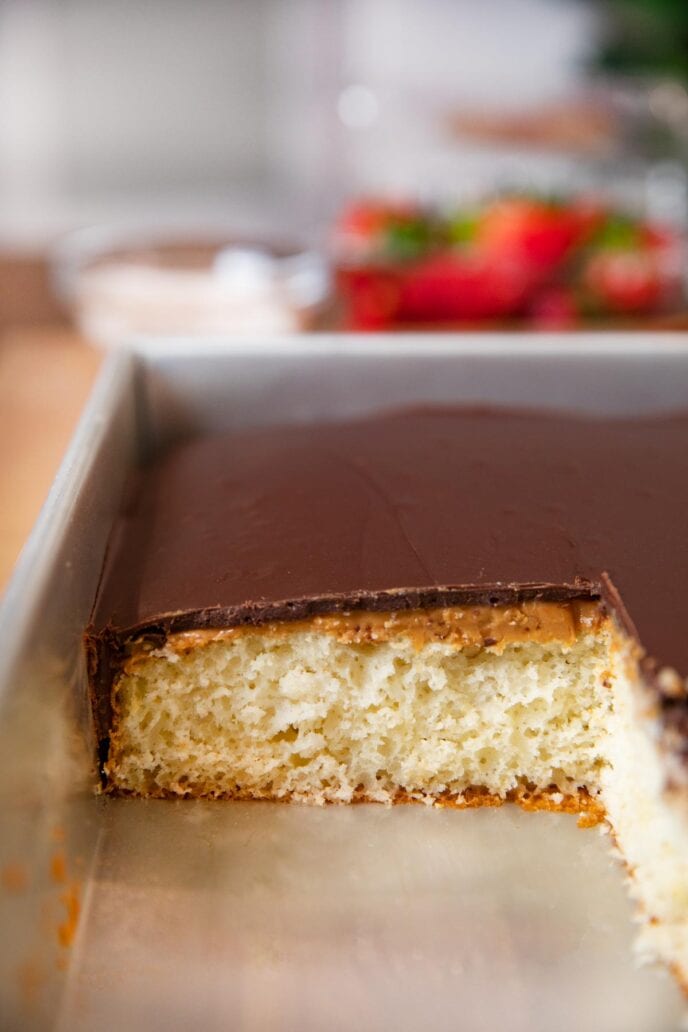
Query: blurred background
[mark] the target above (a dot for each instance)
(270, 166)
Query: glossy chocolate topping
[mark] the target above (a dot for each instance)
(424, 507)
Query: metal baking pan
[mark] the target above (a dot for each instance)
(126, 914)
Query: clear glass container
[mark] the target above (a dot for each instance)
(124, 284)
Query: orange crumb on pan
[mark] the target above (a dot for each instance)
(67, 929)
(58, 868)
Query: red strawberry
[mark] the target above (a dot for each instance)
(632, 267)
(539, 234)
(555, 308)
(625, 281)
(373, 297)
(457, 286)
(364, 226)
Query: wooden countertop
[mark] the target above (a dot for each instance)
(45, 377)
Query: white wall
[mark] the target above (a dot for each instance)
(424, 59)
(166, 92)
(110, 104)
(134, 105)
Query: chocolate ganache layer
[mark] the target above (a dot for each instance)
(417, 508)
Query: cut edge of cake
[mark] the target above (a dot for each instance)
(548, 704)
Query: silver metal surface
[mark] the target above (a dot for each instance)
(261, 917)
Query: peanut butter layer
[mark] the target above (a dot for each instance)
(479, 626)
